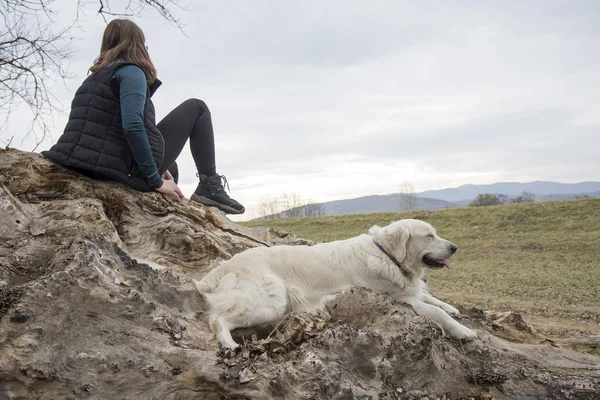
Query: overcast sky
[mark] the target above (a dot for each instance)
(335, 99)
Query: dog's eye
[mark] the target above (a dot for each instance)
(430, 236)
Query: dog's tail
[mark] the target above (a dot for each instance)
(210, 281)
(215, 279)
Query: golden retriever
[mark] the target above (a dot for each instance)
(261, 285)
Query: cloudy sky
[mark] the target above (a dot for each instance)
(336, 99)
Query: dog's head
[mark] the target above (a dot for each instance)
(414, 242)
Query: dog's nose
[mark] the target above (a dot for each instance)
(453, 248)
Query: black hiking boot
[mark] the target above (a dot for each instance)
(210, 192)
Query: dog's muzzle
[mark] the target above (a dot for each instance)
(433, 263)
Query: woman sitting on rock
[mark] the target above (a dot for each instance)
(111, 133)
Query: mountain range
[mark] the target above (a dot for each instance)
(542, 190)
(461, 196)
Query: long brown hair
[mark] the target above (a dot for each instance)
(124, 41)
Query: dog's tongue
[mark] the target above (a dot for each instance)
(446, 264)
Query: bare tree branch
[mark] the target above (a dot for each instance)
(31, 60)
(7, 144)
(34, 55)
(135, 8)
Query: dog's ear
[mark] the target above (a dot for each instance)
(393, 237)
(397, 237)
(375, 231)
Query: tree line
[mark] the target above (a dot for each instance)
(491, 199)
(290, 205)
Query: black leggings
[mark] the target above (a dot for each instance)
(191, 119)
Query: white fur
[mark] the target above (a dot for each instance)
(262, 284)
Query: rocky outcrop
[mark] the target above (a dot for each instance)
(97, 301)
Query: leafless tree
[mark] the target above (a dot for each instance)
(408, 197)
(296, 206)
(33, 53)
(313, 210)
(292, 203)
(269, 207)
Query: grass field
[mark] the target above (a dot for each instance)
(540, 259)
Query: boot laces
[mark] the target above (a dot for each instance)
(223, 182)
(217, 181)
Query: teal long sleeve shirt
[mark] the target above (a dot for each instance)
(133, 87)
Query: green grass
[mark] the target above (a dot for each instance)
(540, 259)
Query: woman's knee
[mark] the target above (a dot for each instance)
(197, 104)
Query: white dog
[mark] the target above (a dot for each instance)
(261, 285)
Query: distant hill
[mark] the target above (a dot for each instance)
(375, 203)
(381, 203)
(459, 197)
(542, 190)
(566, 196)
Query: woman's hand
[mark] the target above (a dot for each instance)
(167, 176)
(170, 188)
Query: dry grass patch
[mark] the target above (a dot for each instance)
(539, 259)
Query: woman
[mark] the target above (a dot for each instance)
(112, 134)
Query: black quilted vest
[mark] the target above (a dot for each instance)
(93, 142)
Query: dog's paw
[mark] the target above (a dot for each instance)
(227, 352)
(453, 312)
(464, 333)
(230, 347)
(227, 342)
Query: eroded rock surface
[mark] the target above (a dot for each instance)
(97, 301)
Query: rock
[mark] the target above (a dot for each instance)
(246, 376)
(97, 301)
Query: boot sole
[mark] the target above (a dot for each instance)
(211, 203)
